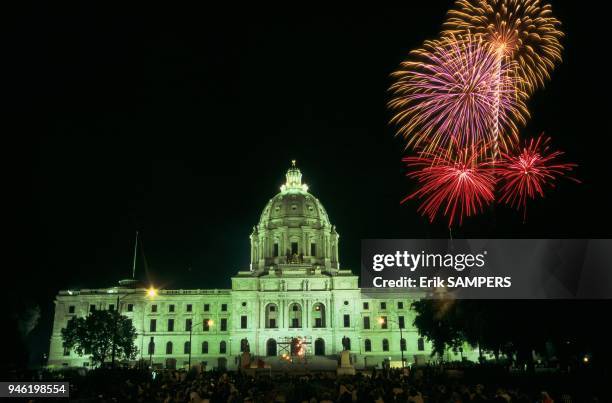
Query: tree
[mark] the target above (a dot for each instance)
(94, 335)
(439, 321)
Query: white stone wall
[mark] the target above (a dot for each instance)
(249, 298)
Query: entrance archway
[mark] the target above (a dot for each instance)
(319, 347)
(271, 348)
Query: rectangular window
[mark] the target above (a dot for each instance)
(153, 308)
(188, 323)
(421, 344)
(400, 305)
(92, 308)
(224, 324)
(189, 307)
(295, 323)
(383, 325)
(272, 308)
(206, 307)
(318, 322)
(171, 325)
(273, 323)
(366, 322)
(294, 248)
(111, 307)
(130, 307)
(400, 322)
(171, 308)
(313, 249)
(206, 325)
(366, 305)
(243, 322)
(383, 305)
(224, 307)
(153, 325)
(71, 309)
(347, 320)
(275, 250)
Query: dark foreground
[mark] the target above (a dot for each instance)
(430, 384)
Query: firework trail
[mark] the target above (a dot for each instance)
(455, 184)
(455, 90)
(520, 30)
(526, 175)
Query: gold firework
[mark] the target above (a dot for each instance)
(525, 30)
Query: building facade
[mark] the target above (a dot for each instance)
(293, 288)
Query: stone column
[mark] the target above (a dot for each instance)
(285, 241)
(281, 308)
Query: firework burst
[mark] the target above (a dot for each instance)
(456, 90)
(524, 31)
(526, 175)
(455, 184)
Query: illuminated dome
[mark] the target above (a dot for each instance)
(294, 229)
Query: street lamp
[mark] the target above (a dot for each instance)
(151, 292)
(383, 321)
(210, 324)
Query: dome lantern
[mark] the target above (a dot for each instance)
(294, 180)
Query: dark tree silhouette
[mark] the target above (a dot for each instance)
(94, 335)
(438, 322)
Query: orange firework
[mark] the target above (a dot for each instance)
(524, 30)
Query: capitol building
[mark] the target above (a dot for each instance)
(293, 288)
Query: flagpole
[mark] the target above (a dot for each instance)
(134, 260)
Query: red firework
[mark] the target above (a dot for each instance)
(526, 175)
(456, 184)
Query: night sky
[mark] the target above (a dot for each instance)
(181, 123)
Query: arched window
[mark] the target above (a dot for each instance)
(421, 344)
(222, 347)
(169, 347)
(318, 315)
(295, 315)
(151, 349)
(271, 316)
(319, 347)
(187, 348)
(271, 348)
(368, 345)
(205, 347)
(385, 345)
(403, 344)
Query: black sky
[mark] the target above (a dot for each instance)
(180, 123)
